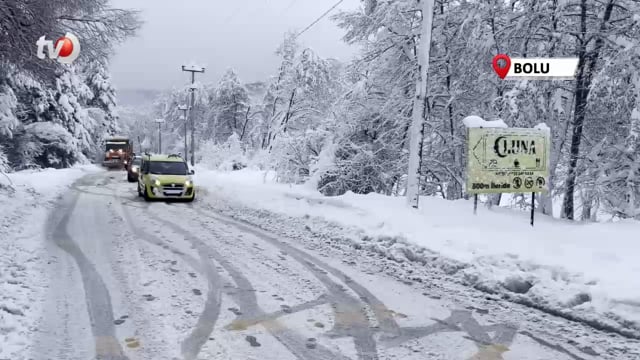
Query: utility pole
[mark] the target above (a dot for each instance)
(193, 70)
(183, 117)
(420, 111)
(159, 122)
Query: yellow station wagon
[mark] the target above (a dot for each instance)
(165, 177)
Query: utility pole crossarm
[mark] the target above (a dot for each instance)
(193, 68)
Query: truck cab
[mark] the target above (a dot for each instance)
(118, 152)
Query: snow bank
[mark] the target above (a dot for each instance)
(476, 122)
(585, 271)
(25, 199)
(543, 127)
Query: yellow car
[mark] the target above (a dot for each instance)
(165, 177)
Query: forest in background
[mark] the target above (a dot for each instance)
(52, 115)
(346, 126)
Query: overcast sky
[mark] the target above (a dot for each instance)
(218, 34)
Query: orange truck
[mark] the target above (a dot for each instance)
(118, 152)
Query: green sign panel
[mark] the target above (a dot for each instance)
(508, 160)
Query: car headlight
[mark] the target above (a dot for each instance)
(120, 150)
(156, 182)
(134, 169)
(110, 150)
(188, 183)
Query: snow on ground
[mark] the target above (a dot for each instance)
(25, 198)
(584, 271)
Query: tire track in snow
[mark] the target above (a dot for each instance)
(248, 302)
(449, 324)
(97, 294)
(387, 323)
(350, 315)
(156, 241)
(192, 345)
(154, 343)
(391, 332)
(205, 324)
(456, 322)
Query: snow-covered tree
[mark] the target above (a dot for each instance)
(103, 93)
(230, 109)
(461, 82)
(229, 155)
(167, 108)
(347, 127)
(51, 114)
(303, 127)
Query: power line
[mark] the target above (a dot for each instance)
(233, 14)
(318, 19)
(241, 7)
(264, 5)
(288, 7)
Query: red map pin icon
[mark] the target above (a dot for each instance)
(501, 71)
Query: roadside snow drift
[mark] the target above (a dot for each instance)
(25, 199)
(588, 272)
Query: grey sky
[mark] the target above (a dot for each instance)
(219, 34)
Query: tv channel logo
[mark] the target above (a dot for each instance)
(66, 49)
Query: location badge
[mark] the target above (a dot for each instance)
(501, 70)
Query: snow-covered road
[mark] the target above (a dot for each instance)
(135, 280)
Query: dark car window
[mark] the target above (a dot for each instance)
(168, 168)
(117, 146)
(136, 161)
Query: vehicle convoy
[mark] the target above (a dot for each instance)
(165, 177)
(133, 170)
(118, 152)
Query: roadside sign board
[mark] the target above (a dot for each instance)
(508, 160)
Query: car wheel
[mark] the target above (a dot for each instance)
(192, 198)
(145, 194)
(139, 192)
(130, 179)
